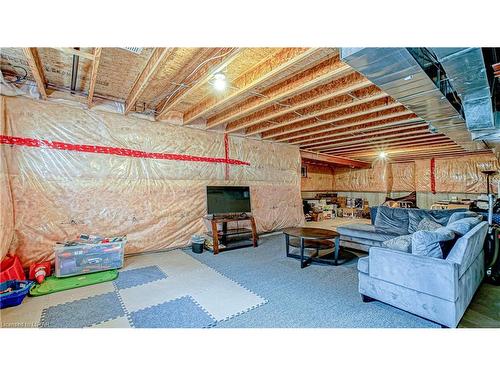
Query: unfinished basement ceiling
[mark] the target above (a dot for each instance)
(307, 97)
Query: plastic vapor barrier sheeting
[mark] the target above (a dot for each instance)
(60, 190)
(6, 209)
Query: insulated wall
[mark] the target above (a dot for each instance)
(158, 203)
(6, 210)
(451, 175)
(319, 178)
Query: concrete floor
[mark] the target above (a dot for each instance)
(483, 311)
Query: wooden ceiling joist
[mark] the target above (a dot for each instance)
(422, 139)
(353, 112)
(385, 121)
(366, 135)
(420, 150)
(93, 75)
(204, 74)
(362, 139)
(337, 160)
(338, 103)
(33, 59)
(320, 74)
(157, 58)
(300, 103)
(326, 127)
(262, 73)
(442, 155)
(77, 52)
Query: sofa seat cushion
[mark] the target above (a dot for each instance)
(434, 244)
(363, 264)
(415, 216)
(400, 243)
(366, 231)
(392, 220)
(362, 241)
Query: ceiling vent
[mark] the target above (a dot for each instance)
(136, 50)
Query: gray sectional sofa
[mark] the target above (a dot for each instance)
(426, 277)
(388, 223)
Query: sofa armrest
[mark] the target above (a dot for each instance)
(428, 275)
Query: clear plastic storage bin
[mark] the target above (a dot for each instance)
(87, 258)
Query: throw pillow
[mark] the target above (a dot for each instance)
(462, 226)
(401, 243)
(392, 220)
(429, 243)
(461, 215)
(428, 224)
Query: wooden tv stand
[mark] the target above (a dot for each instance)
(226, 235)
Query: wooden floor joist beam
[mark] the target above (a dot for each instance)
(382, 121)
(417, 150)
(202, 76)
(76, 52)
(307, 155)
(381, 143)
(93, 75)
(367, 134)
(157, 58)
(353, 112)
(35, 65)
(289, 115)
(318, 75)
(361, 139)
(442, 155)
(265, 71)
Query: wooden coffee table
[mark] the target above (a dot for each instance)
(312, 238)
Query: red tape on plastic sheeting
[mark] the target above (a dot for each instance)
(31, 142)
(226, 154)
(433, 176)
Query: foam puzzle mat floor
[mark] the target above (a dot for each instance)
(162, 290)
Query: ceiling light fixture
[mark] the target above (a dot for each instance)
(382, 154)
(220, 82)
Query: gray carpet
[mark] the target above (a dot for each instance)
(318, 296)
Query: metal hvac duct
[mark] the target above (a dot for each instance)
(398, 73)
(466, 72)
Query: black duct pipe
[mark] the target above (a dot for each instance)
(74, 71)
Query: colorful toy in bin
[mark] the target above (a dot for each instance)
(39, 271)
(12, 292)
(11, 269)
(89, 253)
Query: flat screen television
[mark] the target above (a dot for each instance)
(228, 200)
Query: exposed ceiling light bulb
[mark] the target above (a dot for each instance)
(382, 154)
(220, 84)
(220, 81)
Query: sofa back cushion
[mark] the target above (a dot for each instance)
(434, 243)
(468, 247)
(461, 215)
(392, 220)
(415, 216)
(462, 226)
(428, 224)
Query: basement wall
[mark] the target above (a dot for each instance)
(6, 208)
(319, 178)
(455, 177)
(157, 203)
